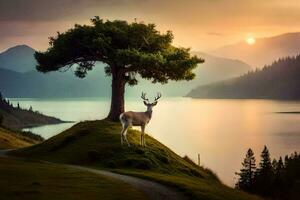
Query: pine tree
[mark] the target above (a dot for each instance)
(279, 186)
(246, 174)
(264, 174)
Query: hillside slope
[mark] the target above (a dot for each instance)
(277, 81)
(97, 144)
(13, 140)
(17, 118)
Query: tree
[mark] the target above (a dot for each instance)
(279, 187)
(129, 51)
(264, 175)
(246, 174)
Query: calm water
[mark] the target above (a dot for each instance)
(220, 130)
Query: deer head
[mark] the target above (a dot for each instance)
(147, 103)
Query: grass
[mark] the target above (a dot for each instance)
(12, 139)
(97, 144)
(193, 187)
(27, 180)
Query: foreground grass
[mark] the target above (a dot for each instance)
(97, 144)
(24, 180)
(12, 139)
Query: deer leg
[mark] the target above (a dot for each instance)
(125, 136)
(125, 133)
(122, 132)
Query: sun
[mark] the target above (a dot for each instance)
(250, 40)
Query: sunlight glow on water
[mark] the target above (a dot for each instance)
(220, 130)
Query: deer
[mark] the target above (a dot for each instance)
(141, 119)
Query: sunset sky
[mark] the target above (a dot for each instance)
(200, 24)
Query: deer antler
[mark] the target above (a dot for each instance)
(158, 96)
(144, 97)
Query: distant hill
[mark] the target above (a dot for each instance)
(34, 84)
(30, 83)
(19, 58)
(264, 51)
(277, 81)
(18, 118)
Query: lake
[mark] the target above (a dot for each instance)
(221, 131)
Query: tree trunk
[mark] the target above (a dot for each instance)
(117, 94)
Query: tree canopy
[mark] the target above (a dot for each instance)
(134, 47)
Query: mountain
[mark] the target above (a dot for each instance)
(33, 84)
(19, 58)
(264, 51)
(279, 80)
(30, 83)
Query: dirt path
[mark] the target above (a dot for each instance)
(153, 190)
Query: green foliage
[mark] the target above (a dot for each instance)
(246, 174)
(130, 47)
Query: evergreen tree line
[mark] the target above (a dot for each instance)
(5, 104)
(280, 80)
(277, 179)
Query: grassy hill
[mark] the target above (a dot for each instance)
(27, 180)
(13, 140)
(97, 144)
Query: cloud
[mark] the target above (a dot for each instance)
(211, 21)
